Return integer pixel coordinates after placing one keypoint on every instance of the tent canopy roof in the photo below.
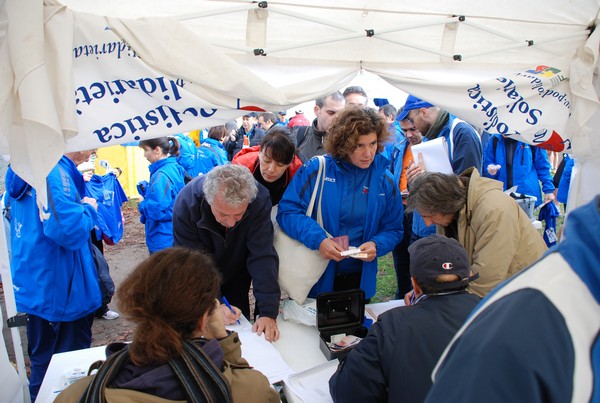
(405, 32)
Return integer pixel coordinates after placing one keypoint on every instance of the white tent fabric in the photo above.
(520, 69)
(83, 74)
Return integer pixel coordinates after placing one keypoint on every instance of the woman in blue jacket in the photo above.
(166, 180)
(359, 200)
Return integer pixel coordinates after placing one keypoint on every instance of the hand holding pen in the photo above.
(231, 314)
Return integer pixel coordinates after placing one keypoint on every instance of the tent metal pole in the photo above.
(220, 11)
(11, 307)
(524, 43)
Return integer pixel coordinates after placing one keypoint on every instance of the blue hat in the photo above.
(411, 103)
(251, 114)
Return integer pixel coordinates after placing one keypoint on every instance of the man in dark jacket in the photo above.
(394, 362)
(309, 139)
(228, 214)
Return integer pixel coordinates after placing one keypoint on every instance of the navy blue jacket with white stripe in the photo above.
(535, 338)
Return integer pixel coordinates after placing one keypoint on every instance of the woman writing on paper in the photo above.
(181, 350)
(360, 201)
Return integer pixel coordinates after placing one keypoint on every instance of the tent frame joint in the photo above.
(259, 52)
(263, 4)
(370, 32)
(457, 58)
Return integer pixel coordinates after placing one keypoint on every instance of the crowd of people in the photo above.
(209, 208)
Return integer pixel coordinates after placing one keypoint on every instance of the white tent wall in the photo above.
(194, 63)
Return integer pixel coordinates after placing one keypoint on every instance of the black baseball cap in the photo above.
(436, 255)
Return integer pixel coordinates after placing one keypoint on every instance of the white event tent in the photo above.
(83, 74)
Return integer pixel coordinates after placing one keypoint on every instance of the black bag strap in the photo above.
(197, 374)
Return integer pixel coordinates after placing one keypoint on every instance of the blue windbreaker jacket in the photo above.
(187, 154)
(54, 276)
(210, 154)
(156, 210)
(383, 221)
(528, 170)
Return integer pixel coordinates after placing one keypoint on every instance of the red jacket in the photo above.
(248, 157)
(298, 120)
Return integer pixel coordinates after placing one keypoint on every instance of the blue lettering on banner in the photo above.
(119, 49)
(517, 103)
(159, 115)
(168, 89)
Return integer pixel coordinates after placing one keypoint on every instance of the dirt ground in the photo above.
(122, 259)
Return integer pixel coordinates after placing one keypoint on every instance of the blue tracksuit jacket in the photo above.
(383, 219)
(156, 210)
(54, 276)
(530, 167)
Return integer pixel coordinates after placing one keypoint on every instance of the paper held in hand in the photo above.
(354, 252)
(435, 155)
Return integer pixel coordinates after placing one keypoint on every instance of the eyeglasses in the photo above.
(410, 118)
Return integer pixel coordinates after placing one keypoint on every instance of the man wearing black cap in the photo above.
(394, 362)
(464, 144)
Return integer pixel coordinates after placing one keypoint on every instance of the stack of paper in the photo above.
(312, 385)
(374, 310)
(260, 353)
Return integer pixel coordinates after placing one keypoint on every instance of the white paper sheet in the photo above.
(312, 385)
(260, 353)
(435, 155)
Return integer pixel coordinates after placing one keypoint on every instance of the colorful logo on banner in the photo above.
(524, 102)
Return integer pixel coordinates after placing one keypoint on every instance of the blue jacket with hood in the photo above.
(383, 220)
(530, 166)
(54, 275)
(156, 210)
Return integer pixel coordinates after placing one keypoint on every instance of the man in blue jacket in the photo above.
(534, 338)
(464, 144)
(519, 164)
(54, 275)
(228, 214)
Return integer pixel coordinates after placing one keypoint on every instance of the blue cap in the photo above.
(251, 114)
(411, 103)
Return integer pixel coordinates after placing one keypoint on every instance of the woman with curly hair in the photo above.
(181, 350)
(360, 201)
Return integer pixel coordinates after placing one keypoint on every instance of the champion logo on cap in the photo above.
(447, 266)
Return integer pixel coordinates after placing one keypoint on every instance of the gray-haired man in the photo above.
(227, 214)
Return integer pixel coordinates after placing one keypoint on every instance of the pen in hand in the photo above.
(230, 308)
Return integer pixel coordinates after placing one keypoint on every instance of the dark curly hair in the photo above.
(350, 123)
(165, 296)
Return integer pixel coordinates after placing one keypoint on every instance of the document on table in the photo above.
(374, 310)
(260, 353)
(312, 385)
(435, 155)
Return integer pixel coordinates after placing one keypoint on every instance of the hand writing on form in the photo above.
(229, 317)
